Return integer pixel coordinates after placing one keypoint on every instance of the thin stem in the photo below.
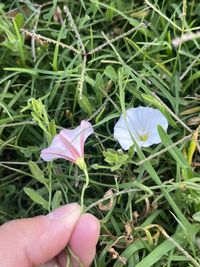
(39, 37)
(82, 77)
(50, 185)
(142, 25)
(85, 186)
(185, 138)
(33, 37)
(74, 28)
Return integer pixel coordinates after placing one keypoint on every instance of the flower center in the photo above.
(81, 163)
(143, 137)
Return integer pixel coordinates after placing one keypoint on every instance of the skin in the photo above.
(40, 241)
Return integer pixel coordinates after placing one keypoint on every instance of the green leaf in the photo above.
(110, 156)
(110, 12)
(99, 82)
(174, 151)
(108, 118)
(116, 167)
(116, 158)
(158, 252)
(84, 103)
(52, 128)
(19, 20)
(39, 115)
(37, 173)
(56, 50)
(111, 73)
(36, 197)
(57, 198)
(99, 86)
(196, 216)
(6, 109)
(113, 156)
(149, 237)
(37, 106)
(132, 249)
(98, 117)
(83, 21)
(39, 122)
(32, 72)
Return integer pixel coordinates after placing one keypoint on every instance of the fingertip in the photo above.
(37, 240)
(66, 211)
(92, 224)
(84, 239)
(53, 234)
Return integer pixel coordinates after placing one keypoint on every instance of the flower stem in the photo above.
(85, 186)
(49, 166)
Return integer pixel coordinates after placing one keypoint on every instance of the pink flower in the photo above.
(69, 144)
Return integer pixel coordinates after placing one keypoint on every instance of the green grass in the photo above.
(53, 76)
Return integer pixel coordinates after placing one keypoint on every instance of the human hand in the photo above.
(42, 239)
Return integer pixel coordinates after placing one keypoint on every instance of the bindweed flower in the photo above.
(69, 145)
(139, 124)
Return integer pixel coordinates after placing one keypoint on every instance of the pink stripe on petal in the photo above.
(77, 136)
(69, 146)
(48, 155)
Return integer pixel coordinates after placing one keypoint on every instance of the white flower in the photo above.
(139, 124)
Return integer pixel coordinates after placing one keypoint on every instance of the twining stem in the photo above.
(85, 186)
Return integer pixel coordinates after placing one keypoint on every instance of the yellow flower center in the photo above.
(143, 137)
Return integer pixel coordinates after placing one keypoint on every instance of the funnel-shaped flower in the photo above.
(139, 124)
(69, 144)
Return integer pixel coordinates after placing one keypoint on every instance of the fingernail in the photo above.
(64, 211)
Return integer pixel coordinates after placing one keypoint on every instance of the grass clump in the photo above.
(93, 60)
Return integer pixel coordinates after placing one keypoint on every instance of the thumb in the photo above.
(31, 242)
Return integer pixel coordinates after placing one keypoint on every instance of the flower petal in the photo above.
(139, 124)
(122, 133)
(68, 144)
(157, 118)
(126, 141)
(143, 116)
(77, 136)
(57, 149)
(49, 154)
